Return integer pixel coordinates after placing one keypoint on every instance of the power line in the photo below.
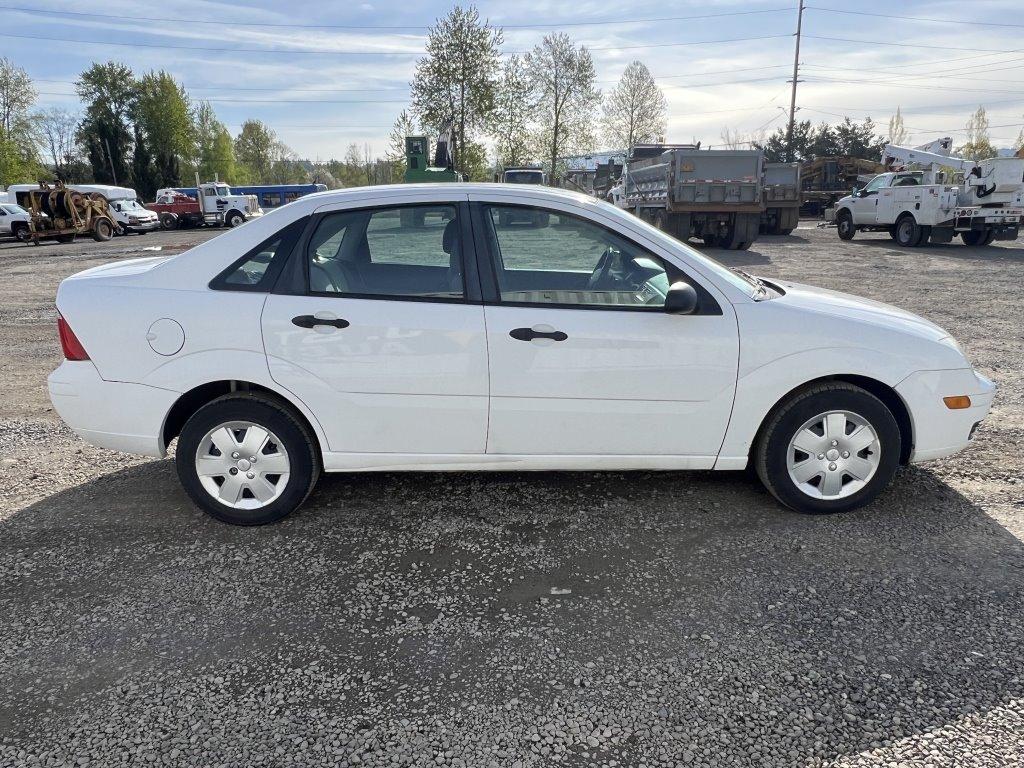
(958, 22)
(550, 25)
(329, 52)
(221, 100)
(908, 45)
(824, 79)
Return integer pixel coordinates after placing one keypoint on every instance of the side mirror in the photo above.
(681, 299)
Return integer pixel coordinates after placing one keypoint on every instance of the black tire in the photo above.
(908, 233)
(234, 219)
(20, 231)
(978, 237)
(711, 241)
(65, 238)
(844, 225)
(924, 236)
(102, 231)
(892, 233)
(785, 232)
(169, 221)
(274, 416)
(782, 425)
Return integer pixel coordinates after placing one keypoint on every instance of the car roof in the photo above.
(351, 194)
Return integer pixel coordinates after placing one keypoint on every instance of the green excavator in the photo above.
(417, 152)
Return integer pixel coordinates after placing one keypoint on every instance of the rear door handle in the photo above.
(529, 334)
(311, 321)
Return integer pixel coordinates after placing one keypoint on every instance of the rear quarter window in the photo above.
(258, 269)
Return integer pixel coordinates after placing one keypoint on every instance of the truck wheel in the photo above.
(234, 219)
(892, 232)
(65, 238)
(978, 237)
(20, 231)
(908, 233)
(102, 231)
(168, 221)
(926, 233)
(844, 224)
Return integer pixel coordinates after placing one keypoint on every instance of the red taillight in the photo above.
(73, 349)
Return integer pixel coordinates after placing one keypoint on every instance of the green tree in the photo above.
(256, 148)
(456, 82)
(109, 92)
(477, 168)
(563, 80)
(19, 138)
(164, 115)
(511, 119)
(215, 151)
(635, 110)
(405, 125)
(978, 145)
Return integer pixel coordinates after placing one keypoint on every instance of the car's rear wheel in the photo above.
(21, 231)
(246, 460)
(831, 448)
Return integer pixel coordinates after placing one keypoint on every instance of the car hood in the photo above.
(844, 305)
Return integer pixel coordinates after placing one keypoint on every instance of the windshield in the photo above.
(746, 283)
(524, 177)
(13, 209)
(128, 205)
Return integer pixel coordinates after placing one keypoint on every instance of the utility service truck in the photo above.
(931, 196)
(714, 195)
(781, 198)
(214, 205)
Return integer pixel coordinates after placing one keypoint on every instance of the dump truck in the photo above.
(63, 214)
(781, 198)
(824, 180)
(932, 196)
(716, 195)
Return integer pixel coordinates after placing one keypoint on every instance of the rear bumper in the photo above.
(146, 226)
(939, 431)
(110, 414)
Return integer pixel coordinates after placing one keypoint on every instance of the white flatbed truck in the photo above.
(918, 202)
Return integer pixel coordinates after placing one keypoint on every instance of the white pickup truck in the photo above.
(920, 206)
(14, 221)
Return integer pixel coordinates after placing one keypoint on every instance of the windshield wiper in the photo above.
(762, 289)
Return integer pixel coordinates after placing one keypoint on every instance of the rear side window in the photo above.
(410, 252)
(258, 269)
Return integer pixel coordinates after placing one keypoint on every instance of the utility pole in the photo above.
(796, 72)
(110, 158)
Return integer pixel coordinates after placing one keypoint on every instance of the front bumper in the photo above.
(938, 430)
(110, 414)
(143, 226)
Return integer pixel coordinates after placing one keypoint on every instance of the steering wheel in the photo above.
(610, 273)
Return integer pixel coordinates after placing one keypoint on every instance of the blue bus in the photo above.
(268, 195)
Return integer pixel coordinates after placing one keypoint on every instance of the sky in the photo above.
(325, 74)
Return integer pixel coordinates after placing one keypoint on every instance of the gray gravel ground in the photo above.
(642, 619)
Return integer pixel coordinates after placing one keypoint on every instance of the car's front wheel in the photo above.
(831, 448)
(245, 459)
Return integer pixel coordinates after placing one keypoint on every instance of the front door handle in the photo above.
(529, 334)
(311, 321)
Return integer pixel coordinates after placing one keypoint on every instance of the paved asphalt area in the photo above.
(628, 619)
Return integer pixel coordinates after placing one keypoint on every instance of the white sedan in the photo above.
(494, 327)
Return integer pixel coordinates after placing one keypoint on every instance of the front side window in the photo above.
(548, 257)
(411, 252)
(876, 184)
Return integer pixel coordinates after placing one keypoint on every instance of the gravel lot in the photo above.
(643, 619)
